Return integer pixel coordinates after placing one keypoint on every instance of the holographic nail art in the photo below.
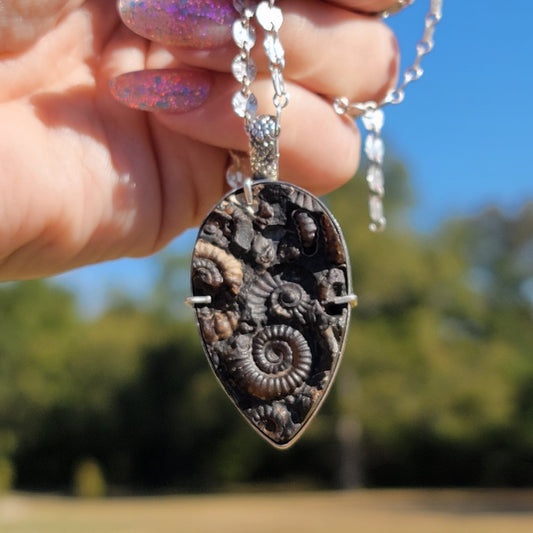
(162, 89)
(187, 23)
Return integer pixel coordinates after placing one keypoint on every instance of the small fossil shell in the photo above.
(303, 199)
(307, 229)
(264, 216)
(213, 266)
(207, 272)
(275, 420)
(264, 251)
(277, 363)
(217, 230)
(218, 325)
(331, 284)
(302, 402)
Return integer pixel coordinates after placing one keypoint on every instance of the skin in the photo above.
(84, 179)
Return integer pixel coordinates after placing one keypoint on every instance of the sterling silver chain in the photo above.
(264, 130)
(373, 117)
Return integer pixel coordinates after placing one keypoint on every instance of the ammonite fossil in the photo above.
(272, 299)
(274, 420)
(273, 365)
(212, 267)
(278, 298)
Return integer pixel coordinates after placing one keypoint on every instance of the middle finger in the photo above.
(329, 50)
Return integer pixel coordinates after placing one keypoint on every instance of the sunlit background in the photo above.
(463, 131)
(104, 389)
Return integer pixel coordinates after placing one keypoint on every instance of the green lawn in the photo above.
(331, 512)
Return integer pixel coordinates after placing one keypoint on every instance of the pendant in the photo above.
(271, 287)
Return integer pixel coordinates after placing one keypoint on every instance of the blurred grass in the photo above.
(401, 511)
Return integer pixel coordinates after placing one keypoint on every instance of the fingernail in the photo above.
(162, 90)
(191, 23)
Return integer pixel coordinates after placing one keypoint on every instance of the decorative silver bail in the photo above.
(264, 152)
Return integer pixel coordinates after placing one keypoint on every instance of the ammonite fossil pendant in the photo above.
(271, 288)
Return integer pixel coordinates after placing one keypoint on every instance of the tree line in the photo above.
(436, 385)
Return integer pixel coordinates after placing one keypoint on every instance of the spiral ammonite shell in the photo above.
(289, 300)
(277, 363)
(274, 419)
(278, 298)
(270, 274)
(212, 266)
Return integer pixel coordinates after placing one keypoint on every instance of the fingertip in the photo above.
(195, 23)
(172, 90)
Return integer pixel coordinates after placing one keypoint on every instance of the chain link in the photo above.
(263, 130)
(413, 73)
(243, 66)
(270, 18)
(424, 47)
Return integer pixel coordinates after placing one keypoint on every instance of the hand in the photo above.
(85, 179)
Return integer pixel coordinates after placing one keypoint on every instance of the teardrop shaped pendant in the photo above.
(271, 287)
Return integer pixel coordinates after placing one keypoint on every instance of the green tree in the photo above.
(436, 386)
(37, 324)
(432, 365)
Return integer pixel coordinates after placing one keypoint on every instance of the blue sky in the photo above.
(463, 130)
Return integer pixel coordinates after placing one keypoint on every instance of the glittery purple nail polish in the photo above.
(187, 23)
(162, 90)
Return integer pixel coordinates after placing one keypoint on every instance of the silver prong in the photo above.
(198, 300)
(248, 193)
(348, 299)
